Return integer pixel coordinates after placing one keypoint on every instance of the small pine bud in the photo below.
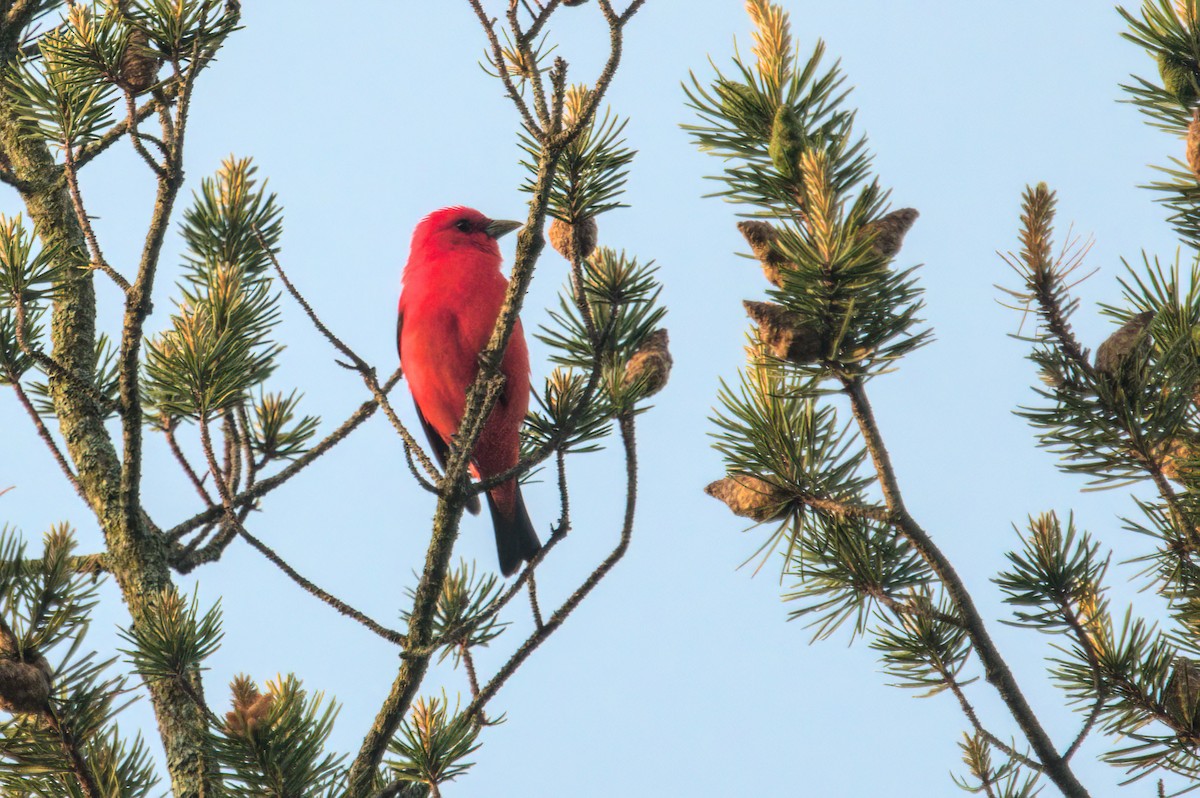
(786, 334)
(787, 141)
(1179, 77)
(563, 235)
(1193, 143)
(24, 686)
(576, 98)
(139, 67)
(1114, 354)
(250, 707)
(762, 236)
(888, 231)
(750, 497)
(650, 365)
(1181, 698)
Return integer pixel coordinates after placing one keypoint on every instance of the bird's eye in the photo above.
(463, 225)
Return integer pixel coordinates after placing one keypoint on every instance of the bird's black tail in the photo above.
(516, 541)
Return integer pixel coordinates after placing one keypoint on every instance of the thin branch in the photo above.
(1089, 650)
(525, 49)
(973, 718)
(85, 222)
(256, 492)
(45, 435)
(533, 603)
(113, 134)
(135, 137)
(232, 519)
(197, 482)
(365, 370)
(996, 669)
(489, 29)
(556, 620)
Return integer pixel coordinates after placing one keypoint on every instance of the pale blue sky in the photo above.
(679, 675)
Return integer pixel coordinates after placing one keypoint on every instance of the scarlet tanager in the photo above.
(452, 293)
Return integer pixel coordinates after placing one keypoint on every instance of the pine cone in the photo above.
(787, 334)
(650, 365)
(139, 68)
(762, 237)
(562, 235)
(888, 231)
(24, 686)
(1115, 353)
(1181, 698)
(750, 497)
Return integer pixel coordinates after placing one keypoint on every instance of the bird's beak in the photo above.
(498, 227)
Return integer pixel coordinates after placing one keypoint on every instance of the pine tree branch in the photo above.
(85, 223)
(234, 522)
(489, 29)
(365, 370)
(543, 631)
(525, 49)
(260, 489)
(996, 670)
(92, 149)
(533, 602)
(80, 767)
(45, 435)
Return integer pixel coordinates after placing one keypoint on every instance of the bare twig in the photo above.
(232, 519)
(257, 491)
(45, 435)
(533, 602)
(361, 366)
(113, 135)
(85, 223)
(197, 482)
(556, 620)
(973, 718)
(497, 55)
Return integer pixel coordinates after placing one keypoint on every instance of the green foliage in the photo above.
(741, 117)
(845, 568)
(465, 615)
(273, 434)
(44, 608)
(591, 172)
(219, 346)
(432, 744)
(28, 272)
(922, 647)
(185, 30)
(273, 744)
(173, 640)
(563, 405)
(1008, 780)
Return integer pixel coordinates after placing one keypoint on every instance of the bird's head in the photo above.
(460, 228)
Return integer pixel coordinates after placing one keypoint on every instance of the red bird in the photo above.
(452, 293)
